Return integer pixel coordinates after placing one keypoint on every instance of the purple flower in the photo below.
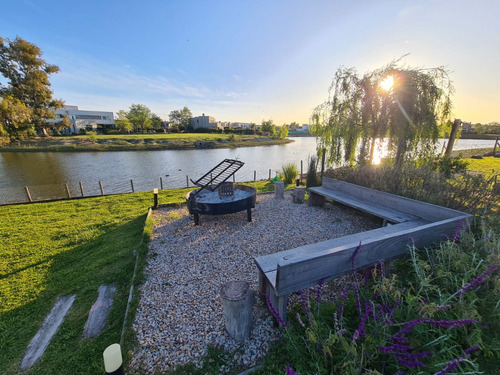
(477, 280)
(319, 289)
(300, 321)
(289, 370)
(305, 304)
(273, 311)
(342, 304)
(455, 362)
(456, 234)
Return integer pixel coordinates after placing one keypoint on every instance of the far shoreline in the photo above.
(140, 142)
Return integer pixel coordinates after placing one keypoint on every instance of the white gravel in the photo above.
(180, 311)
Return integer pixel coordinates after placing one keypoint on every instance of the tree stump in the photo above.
(279, 189)
(237, 302)
(299, 194)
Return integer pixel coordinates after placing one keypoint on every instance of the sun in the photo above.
(387, 83)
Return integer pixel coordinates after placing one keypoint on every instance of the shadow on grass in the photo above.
(107, 259)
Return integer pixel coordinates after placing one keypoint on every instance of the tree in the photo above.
(15, 118)
(181, 118)
(403, 103)
(140, 117)
(268, 127)
(156, 122)
(122, 121)
(27, 74)
(283, 132)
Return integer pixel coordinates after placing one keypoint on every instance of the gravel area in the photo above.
(180, 311)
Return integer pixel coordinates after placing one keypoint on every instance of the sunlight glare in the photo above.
(387, 83)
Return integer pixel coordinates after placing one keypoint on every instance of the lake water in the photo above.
(47, 172)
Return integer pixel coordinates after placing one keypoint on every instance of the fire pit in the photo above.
(218, 197)
(206, 202)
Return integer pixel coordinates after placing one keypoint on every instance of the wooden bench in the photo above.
(417, 223)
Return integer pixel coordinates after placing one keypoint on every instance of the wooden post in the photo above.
(269, 174)
(155, 198)
(495, 147)
(279, 189)
(254, 176)
(187, 181)
(161, 183)
(67, 190)
(28, 193)
(234, 178)
(453, 136)
(132, 185)
(301, 169)
(237, 303)
(81, 189)
(102, 189)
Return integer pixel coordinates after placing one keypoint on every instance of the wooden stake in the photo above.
(81, 189)
(102, 189)
(161, 183)
(67, 190)
(254, 176)
(28, 193)
(187, 181)
(269, 174)
(132, 185)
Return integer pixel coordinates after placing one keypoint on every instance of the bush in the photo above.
(92, 136)
(289, 172)
(83, 131)
(434, 314)
(312, 174)
(471, 193)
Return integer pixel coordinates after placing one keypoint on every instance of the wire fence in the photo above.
(80, 189)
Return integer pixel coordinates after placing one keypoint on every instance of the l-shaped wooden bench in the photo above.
(412, 222)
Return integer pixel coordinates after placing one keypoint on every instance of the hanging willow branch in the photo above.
(358, 111)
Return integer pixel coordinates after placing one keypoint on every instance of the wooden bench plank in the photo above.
(370, 207)
(302, 272)
(428, 211)
(268, 263)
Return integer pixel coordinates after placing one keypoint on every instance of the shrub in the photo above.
(289, 172)
(312, 174)
(434, 314)
(83, 131)
(92, 136)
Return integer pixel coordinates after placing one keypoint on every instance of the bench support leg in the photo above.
(279, 303)
(315, 199)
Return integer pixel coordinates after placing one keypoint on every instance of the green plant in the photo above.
(312, 174)
(289, 172)
(92, 136)
(434, 314)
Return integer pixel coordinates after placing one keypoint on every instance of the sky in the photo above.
(248, 61)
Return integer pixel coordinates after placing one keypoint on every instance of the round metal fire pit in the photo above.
(208, 202)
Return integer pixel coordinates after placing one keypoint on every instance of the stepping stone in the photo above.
(98, 315)
(49, 328)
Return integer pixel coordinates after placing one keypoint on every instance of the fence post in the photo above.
(161, 183)
(81, 189)
(28, 193)
(132, 184)
(187, 181)
(102, 190)
(254, 176)
(301, 169)
(269, 174)
(155, 198)
(495, 147)
(67, 190)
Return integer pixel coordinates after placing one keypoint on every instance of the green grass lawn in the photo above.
(66, 247)
(490, 166)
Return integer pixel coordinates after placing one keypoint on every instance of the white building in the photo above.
(207, 122)
(88, 120)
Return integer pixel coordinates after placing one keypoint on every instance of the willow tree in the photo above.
(406, 105)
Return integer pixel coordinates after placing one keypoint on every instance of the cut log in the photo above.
(237, 302)
(279, 189)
